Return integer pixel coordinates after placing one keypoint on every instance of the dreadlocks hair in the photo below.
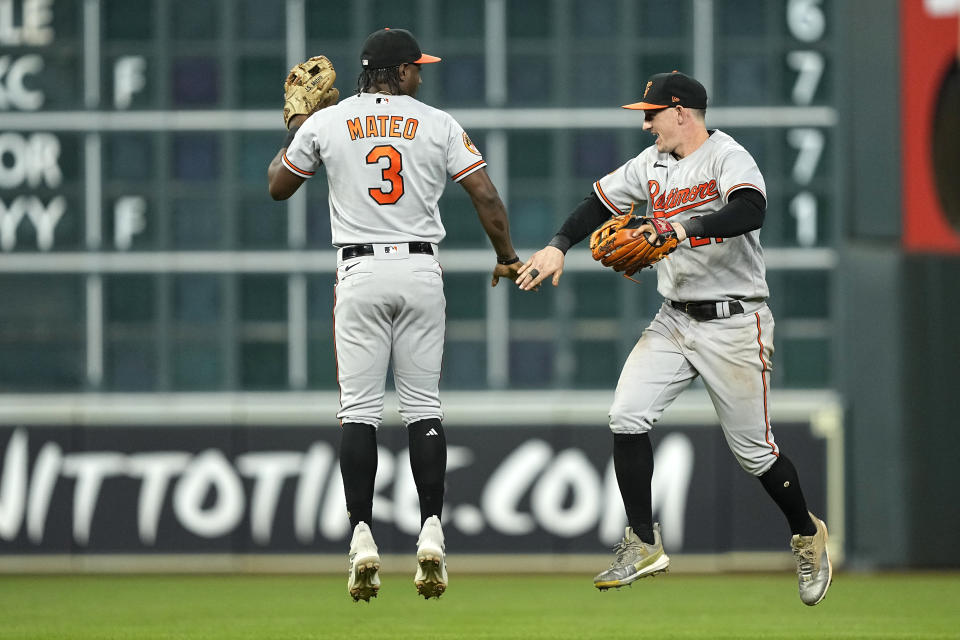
(372, 78)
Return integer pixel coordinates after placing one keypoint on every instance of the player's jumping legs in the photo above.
(640, 553)
(361, 334)
(417, 355)
(809, 539)
(740, 391)
(428, 461)
(655, 373)
(358, 467)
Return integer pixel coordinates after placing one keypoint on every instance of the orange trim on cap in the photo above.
(644, 105)
(426, 58)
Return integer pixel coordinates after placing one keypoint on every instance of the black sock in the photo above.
(428, 461)
(633, 462)
(783, 484)
(358, 467)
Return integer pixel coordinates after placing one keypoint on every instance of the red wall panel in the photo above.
(928, 46)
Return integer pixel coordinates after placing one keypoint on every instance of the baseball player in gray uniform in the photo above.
(714, 322)
(388, 157)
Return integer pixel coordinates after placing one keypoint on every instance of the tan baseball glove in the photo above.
(308, 88)
(613, 244)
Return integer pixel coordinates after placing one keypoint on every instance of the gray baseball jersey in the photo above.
(388, 158)
(732, 353)
(696, 185)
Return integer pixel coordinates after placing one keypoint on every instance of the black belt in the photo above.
(357, 250)
(708, 310)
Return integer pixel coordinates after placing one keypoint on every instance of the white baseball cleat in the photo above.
(814, 570)
(363, 582)
(431, 578)
(634, 559)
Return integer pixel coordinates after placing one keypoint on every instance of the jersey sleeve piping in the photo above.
(743, 185)
(294, 168)
(460, 175)
(605, 200)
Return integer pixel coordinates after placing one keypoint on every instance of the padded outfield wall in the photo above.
(197, 485)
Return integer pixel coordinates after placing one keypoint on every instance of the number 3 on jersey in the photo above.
(389, 173)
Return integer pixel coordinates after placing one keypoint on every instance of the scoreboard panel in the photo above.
(140, 251)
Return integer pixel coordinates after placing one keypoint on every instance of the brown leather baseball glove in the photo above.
(309, 87)
(614, 246)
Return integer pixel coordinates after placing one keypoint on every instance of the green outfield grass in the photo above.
(673, 606)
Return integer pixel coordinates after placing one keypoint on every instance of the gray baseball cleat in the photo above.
(814, 570)
(363, 582)
(634, 560)
(431, 578)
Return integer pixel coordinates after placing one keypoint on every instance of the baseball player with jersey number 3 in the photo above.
(705, 201)
(387, 157)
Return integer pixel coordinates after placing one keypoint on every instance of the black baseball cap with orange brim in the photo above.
(669, 90)
(391, 48)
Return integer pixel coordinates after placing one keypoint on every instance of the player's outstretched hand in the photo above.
(541, 265)
(505, 271)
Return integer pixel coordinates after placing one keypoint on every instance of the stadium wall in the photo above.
(251, 483)
(899, 358)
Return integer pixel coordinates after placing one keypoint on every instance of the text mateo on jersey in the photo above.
(382, 127)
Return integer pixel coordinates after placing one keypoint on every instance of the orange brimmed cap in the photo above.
(391, 48)
(669, 90)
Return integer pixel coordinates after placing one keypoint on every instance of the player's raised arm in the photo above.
(307, 89)
(493, 217)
